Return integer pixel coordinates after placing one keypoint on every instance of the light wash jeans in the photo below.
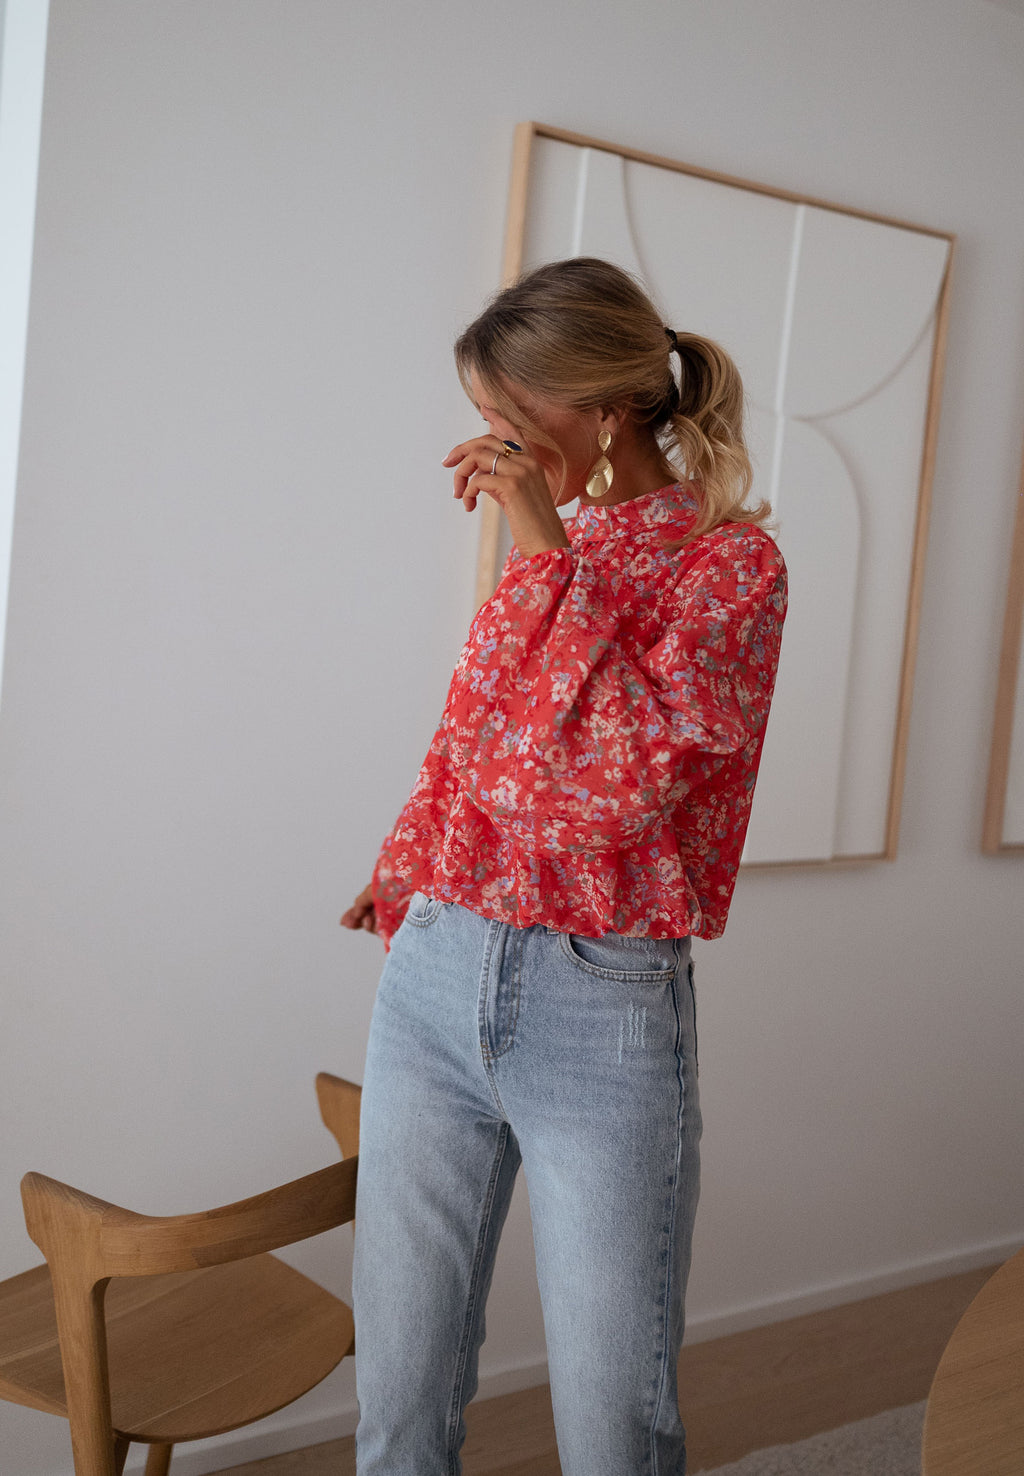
(491, 1046)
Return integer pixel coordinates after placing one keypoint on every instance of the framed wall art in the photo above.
(1003, 830)
(837, 321)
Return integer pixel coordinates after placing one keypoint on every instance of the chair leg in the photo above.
(158, 1462)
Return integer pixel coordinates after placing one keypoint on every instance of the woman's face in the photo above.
(575, 433)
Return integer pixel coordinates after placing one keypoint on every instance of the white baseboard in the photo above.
(278, 1435)
(701, 1329)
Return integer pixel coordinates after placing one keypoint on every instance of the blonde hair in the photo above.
(583, 333)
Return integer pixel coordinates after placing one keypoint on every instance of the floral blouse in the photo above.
(595, 763)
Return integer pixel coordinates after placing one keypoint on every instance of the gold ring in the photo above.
(512, 448)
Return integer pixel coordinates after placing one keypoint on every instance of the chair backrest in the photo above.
(86, 1241)
(339, 1107)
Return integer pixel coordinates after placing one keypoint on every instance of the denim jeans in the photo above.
(490, 1046)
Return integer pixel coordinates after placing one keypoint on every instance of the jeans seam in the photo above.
(693, 1001)
(670, 1233)
(483, 991)
(458, 1383)
(489, 1055)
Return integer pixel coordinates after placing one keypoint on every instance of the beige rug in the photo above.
(885, 1445)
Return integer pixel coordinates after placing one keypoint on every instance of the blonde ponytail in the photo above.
(702, 433)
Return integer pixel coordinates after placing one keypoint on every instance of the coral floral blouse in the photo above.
(595, 763)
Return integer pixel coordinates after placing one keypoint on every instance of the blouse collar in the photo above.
(668, 512)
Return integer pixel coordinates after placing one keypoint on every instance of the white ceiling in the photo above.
(1017, 6)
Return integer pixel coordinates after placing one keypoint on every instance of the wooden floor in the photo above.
(766, 1387)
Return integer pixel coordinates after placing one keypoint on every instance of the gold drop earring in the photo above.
(599, 478)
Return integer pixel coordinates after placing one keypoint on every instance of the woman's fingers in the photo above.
(465, 469)
(484, 465)
(362, 913)
(476, 460)
(490, 444)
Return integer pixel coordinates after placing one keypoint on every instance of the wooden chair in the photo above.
(974, 1418)
(163, 1329)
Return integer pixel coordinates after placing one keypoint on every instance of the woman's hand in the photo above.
(516, 483)
(362, 913)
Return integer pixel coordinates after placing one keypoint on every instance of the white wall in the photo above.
(239, 583)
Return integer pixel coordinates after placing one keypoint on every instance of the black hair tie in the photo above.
(670, 334)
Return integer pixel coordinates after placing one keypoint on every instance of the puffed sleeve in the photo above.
(409, 850)
(571, 743)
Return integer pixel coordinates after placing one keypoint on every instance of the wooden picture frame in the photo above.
(542, 181)
(22, 65)
(1003, 829)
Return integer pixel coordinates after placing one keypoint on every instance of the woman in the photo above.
(578, 819)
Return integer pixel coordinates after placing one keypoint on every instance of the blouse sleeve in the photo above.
(414, 842)
(568, 742)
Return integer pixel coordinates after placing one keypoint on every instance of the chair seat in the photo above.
(181, 1346)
